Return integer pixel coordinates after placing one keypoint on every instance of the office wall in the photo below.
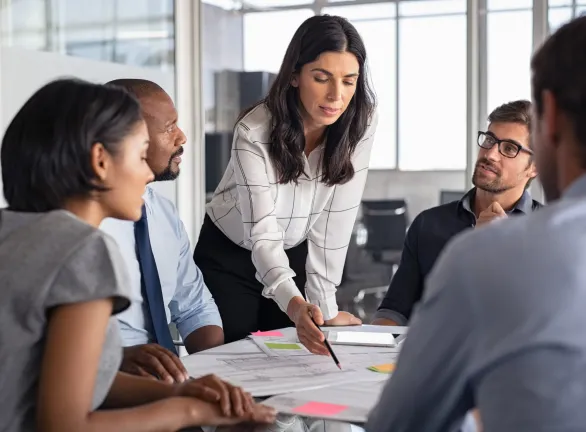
(421, 189)
(22, 72)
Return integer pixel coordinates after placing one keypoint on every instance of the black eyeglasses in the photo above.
(508, 148)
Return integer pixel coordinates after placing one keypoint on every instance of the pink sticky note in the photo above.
(268, 333)
(320, 409)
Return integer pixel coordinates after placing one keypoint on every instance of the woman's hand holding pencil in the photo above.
(308, 317)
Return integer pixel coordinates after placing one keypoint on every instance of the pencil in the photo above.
(328, 346)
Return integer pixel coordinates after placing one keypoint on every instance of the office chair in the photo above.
(386, 225)
(381, 234)
(447, 196)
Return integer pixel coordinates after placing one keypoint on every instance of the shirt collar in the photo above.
(147, 197)
(148, 192)
(577, 188)
(524, 205)
(466, 201)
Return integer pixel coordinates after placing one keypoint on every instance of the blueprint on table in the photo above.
(262, 375)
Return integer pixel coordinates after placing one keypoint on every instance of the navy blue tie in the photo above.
(151, 284)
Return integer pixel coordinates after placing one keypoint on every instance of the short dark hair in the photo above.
(560, 67)
(518, 111)
(137, 86)
(46, 150)
(318, 34)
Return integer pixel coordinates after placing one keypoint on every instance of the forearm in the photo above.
(129, 391)
(321, 290)
(165, 415)
(206, 337)
(288, 297)
(389, 317)
(324, 297)
(403, 294)
(384, 322)
(285, 293)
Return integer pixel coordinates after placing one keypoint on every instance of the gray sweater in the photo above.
(500, 327)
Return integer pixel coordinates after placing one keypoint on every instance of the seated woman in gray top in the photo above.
(73, 155)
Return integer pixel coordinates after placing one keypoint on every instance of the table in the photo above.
(286, 423)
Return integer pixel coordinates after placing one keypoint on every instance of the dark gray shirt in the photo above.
(48, 260)
(429, 233)
(502, 327)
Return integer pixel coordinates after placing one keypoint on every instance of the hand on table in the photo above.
(214, 402)
(232, 400)
(153, 361)
(494, 211)
(302, 312)
(202, 413)
(343, 319)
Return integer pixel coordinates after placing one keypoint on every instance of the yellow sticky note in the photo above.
(383, 368)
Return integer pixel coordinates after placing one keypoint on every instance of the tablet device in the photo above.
(358, 338)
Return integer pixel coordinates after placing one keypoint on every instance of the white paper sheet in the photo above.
(242, 347)
(375, 339)
(279, 346)
(369, 328)
(290, 336)
(357, 349)
(348, 402)
(291, 333)
(262, 375)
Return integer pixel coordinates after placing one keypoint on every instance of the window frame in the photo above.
(476, 40)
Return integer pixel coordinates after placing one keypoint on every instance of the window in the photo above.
(139, 34)
(510, 45)
(23, 24)
(265, 53)
(554, 3)
(260, 4)
(432, 88)
(562, 11)
(419, 78)
(431, 7)
(558, 17)
(379, 38)
(377, 27)
(363, 12)
(224, 4)
(496, 5)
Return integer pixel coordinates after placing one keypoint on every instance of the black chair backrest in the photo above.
(447, 196)
(386, 224)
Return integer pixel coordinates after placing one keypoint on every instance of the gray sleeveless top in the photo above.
(47, 260)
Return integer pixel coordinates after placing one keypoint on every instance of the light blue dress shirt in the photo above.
(188, 302)
(502, 326)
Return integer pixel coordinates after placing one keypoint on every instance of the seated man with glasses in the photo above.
(504, 169)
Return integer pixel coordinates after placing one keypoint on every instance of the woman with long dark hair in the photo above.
(73, 155)
(274, 240)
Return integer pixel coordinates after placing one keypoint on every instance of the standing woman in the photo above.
(274, 240)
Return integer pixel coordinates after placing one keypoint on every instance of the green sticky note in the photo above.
(282, 346)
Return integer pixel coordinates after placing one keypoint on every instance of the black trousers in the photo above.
(230, 276)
